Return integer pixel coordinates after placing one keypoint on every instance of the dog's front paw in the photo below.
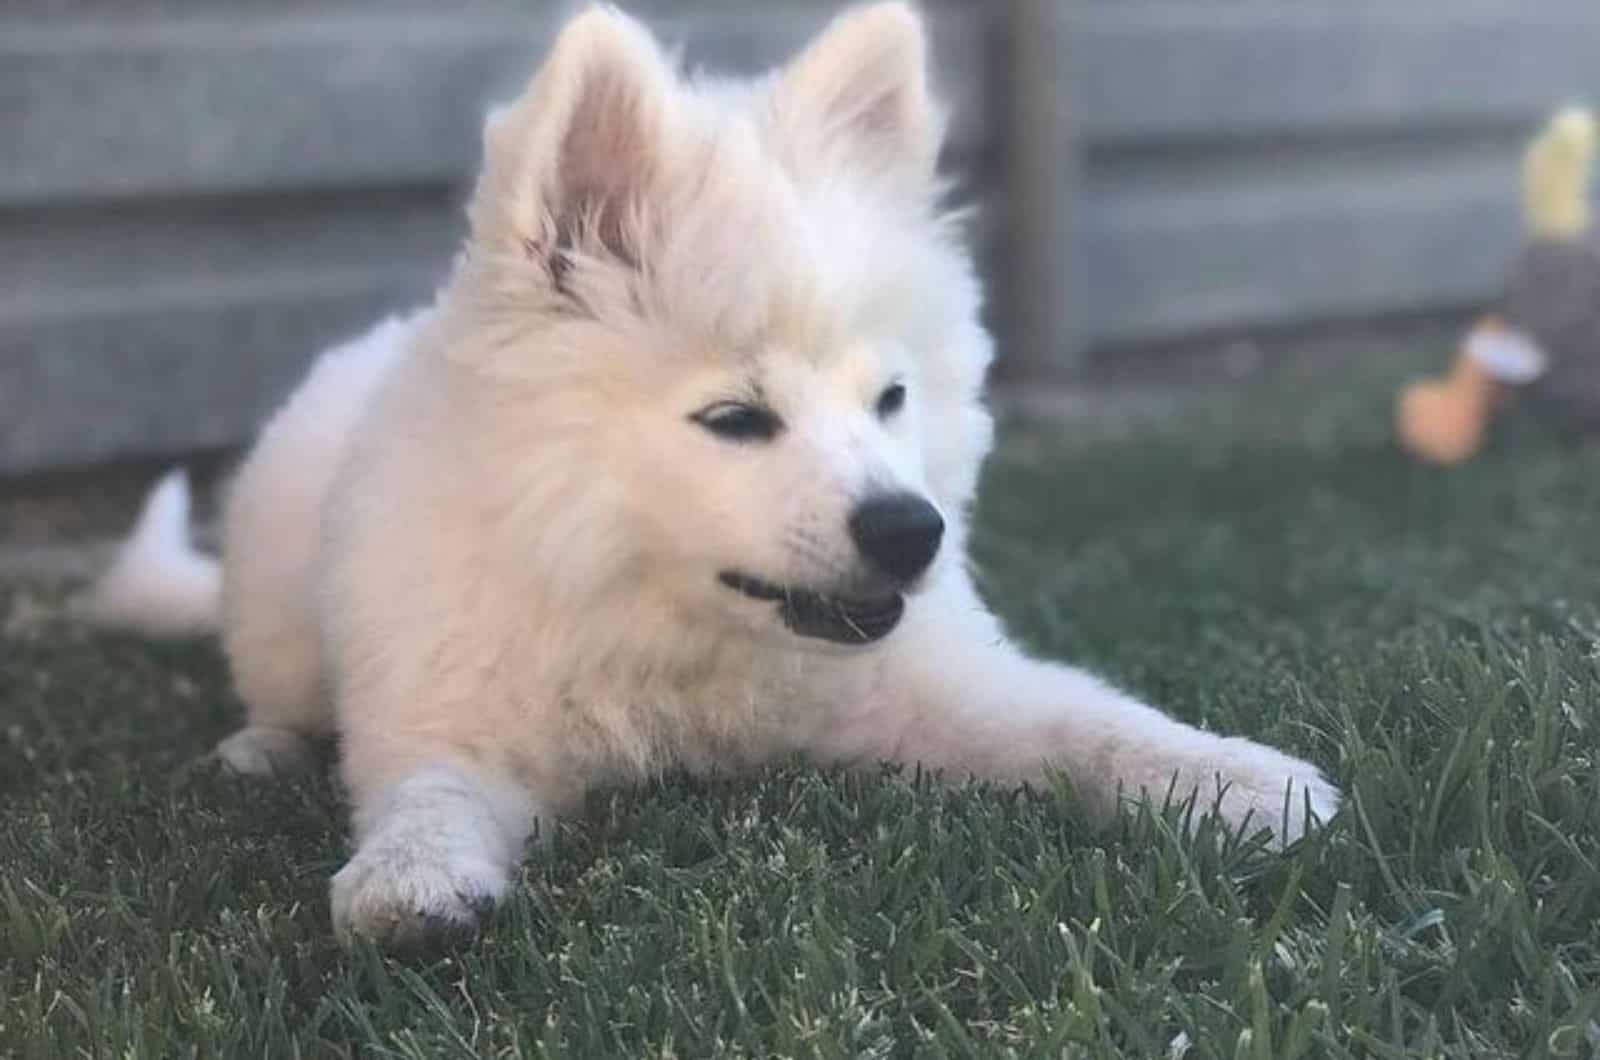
(1265, 788)
(407, 895)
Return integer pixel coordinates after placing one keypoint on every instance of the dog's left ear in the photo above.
(861, 90)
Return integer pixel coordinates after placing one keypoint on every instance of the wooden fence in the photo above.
(1276, 162)
(196, 195)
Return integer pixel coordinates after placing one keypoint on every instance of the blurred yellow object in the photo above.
(1555, 176)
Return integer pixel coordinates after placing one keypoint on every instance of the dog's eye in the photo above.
(892, 400)
(738, 422)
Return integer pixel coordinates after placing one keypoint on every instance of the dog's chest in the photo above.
(714, 718)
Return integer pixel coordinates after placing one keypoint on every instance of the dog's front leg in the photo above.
(435, 849)
(951, 693)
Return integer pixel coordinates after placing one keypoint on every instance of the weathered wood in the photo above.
(194, 200)
(118, 108)
(1162, 263)
(1184, 71)
(51, 258)
(158, 326)
(1265, 164)
(188, 369)
(1039, 200)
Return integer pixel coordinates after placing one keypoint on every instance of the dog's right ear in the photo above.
(569, 164)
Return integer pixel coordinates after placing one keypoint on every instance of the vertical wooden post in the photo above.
(1038, 182)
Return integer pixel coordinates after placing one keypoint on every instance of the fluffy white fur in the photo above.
(484, 544)
(157, 582)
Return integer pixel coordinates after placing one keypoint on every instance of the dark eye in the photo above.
(738, 422)
(892, 400)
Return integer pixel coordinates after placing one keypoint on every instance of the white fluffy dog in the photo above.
(675, 471)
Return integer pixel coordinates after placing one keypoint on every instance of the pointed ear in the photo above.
(569, 163)
(862, 88)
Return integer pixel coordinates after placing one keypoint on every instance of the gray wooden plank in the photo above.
(110, 108)
(1207, 71)
(67, 257)
(1158, 264)
(190, 369)
(126, 107)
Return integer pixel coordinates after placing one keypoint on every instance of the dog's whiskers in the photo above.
(849, 621)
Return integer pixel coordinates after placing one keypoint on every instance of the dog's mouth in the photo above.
(838, 619)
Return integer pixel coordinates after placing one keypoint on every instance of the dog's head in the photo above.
(740, 329)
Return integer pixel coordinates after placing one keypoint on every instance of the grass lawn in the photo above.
(1263, 563)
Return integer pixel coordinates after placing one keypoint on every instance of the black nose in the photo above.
(899, 533)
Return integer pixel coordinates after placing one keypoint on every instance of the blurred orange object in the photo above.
(1444, 421)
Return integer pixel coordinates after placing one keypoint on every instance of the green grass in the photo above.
(1264, 563)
